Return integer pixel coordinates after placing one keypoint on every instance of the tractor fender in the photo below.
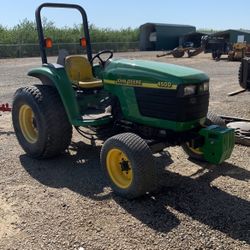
(58, 78)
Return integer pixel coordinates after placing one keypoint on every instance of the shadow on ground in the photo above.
(192, 196)
(79, 172)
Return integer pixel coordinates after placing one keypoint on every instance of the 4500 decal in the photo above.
(166, 85)
(139, 83)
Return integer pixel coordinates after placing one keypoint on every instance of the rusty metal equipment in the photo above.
(241, 128)
(180, 51)
(239, 51)
(5, 107)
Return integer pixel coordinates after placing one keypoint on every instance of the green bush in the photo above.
(22, 39)
(25, 32)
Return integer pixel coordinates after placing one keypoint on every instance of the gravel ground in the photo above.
(65, 203)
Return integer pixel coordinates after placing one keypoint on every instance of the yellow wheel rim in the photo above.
(119, 168)
(195, 150)
(28, 123)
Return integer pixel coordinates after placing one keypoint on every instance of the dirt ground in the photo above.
(65, 203)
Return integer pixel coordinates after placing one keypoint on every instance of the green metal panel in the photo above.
(122, 75)
(168, 35)
(58, 77)
(60, 80)
(131, 111)
(152, 72)
(234, 36)
(219, 143)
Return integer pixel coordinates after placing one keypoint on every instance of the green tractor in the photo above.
(136, 107)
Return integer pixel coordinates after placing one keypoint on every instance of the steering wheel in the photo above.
(98, 55)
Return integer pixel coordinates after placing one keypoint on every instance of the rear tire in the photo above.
(214, 55)
(129, 165)
(40, 121)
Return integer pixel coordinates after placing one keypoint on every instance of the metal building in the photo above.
(234, 36)
(192, 39)
(158, 36)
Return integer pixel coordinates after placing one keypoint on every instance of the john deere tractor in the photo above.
(136, 107)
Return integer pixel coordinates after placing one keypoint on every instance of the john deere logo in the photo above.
(129, 82)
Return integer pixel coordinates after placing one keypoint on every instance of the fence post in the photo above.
(20, 50)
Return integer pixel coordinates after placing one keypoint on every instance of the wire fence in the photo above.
(32, 50)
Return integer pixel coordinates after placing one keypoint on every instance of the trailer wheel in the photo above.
(128, 164)
(216, 55)
(230, 56)
(40, 121)
(178, 53)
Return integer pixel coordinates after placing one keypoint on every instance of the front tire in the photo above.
(129, 165)
(193, 153)
(40, 121)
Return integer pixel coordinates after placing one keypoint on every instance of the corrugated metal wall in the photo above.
(167, 35)
(232, 35)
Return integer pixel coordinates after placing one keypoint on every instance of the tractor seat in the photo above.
(80, 73)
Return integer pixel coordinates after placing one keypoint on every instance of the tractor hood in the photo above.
(133, 72)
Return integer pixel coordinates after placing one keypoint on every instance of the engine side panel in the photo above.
(164, 104)
(148, 93)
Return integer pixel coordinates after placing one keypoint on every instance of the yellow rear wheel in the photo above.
(27, 123)
(40, 122)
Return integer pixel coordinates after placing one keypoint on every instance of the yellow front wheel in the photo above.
(119, 168)
(194, 153)
(128, 163)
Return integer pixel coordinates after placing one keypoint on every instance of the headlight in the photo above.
(189, 90)
(204, 87)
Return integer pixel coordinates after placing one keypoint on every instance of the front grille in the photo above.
(164, 104)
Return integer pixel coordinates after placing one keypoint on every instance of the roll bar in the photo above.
(40, 27)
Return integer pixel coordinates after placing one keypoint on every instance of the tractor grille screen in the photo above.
(164, 104)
